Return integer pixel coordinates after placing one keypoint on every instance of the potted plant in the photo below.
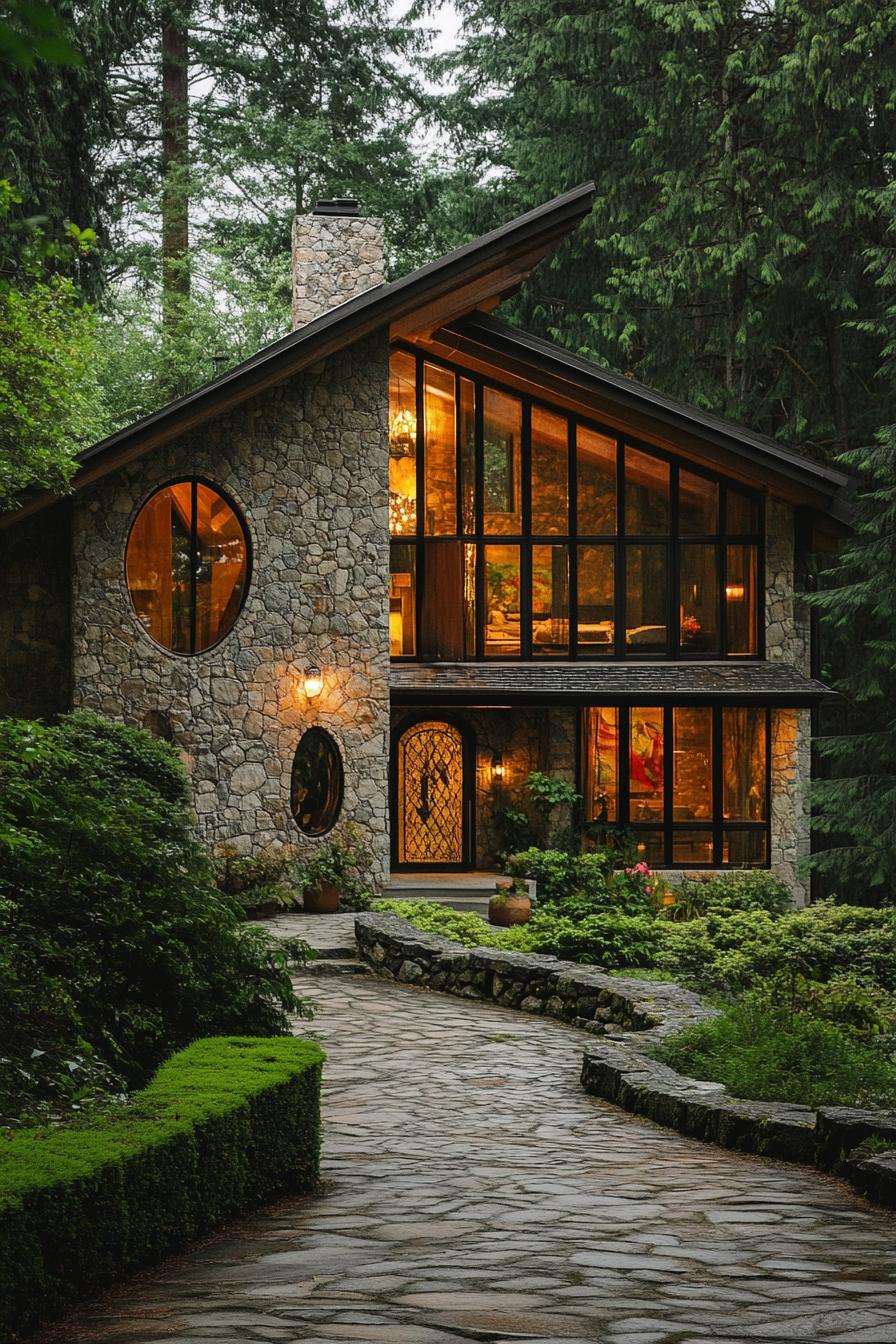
(511, 903)
(332, 871)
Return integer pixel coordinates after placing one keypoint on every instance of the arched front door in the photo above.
(431, 795)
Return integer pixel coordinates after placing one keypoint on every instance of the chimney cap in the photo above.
(338, 205)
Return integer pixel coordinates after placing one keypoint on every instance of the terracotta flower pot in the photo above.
(510, 909)
(321, 900)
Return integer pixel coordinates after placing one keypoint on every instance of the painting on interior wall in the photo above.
(646, 764)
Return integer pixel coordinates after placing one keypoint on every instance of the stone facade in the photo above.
(334, 258)
(306, 463)
(788, 640)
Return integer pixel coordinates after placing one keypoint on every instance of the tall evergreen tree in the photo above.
(855, 801)
(56, 119)
(733, 145)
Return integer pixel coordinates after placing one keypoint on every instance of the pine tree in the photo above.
(855, 803)
(733, 146)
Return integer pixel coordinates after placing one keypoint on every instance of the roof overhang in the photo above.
(479, 274)
(775, 685)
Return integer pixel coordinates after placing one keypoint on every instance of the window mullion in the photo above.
(717, 786)
(194, 558)
(620, 569)
(572, 537)
(668, 782)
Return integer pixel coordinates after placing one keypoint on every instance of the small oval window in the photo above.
(187, 566)
(317, 782)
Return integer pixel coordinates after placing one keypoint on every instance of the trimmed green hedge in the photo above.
(226, 1124)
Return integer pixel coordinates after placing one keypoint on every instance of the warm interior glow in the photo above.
(439, 452)
(402, 444)
(187, 566)
(402, 603)
(695, 822)
(557, 546)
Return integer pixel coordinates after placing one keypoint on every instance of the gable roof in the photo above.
(450, 290)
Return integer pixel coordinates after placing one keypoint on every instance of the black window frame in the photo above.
(672, 541)
(669, 826)
(335, 756)
(239, 513)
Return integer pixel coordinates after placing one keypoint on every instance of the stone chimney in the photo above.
(335, 256)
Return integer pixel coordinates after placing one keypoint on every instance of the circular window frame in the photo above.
(241, 515)
(335, 753)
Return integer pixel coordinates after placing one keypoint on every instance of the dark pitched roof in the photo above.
(645, 683)
(482, 330)
(494, 264)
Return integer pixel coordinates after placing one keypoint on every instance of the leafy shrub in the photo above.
(730, 893)
(579, 885)
(344, 861)
(553, 870)
(468, 929)
(610, 939)
(224, 1126)
(818, 943)
(515, 831)
(848, 1002)
(768, 1053)
(258, 881)
(113, 936)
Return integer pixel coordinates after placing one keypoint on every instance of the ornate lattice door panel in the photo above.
(430, 777)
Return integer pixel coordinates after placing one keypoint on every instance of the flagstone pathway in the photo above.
(474, 1192)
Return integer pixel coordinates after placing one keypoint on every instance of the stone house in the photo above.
(404, 556)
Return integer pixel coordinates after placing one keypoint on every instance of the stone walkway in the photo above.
(474, 1192)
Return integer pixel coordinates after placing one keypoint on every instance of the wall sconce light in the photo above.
(313, 681)
(734, 592)
(498, 768)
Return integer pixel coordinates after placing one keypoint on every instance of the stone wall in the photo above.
(35, 616)
(584, 995)
(787, 640)
(307, 465)
(528, 739)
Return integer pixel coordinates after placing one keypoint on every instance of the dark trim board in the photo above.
(775, 685)
(481, 334)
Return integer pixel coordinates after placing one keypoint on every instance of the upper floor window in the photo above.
(540, 535)
(187, 566)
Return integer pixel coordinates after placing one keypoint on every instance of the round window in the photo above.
(187, 566)
(317, 783)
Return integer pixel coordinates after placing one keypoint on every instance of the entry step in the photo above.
(468, 892)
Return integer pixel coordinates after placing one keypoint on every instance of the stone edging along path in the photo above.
(631, 1017)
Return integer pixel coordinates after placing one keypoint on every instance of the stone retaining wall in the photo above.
(583, 995)
(632, 1017)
